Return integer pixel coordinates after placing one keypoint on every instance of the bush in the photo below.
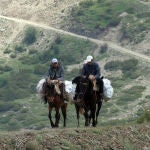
(7, 51)
(32, 145)
(30, 35)
(6, 106)
(145, 117)
(20, 48)
(147, 96)
(129, 67)
(104, 48)
(5, 68)
(13, 55)
(3, 82)
(87, 4)
(32, 51)
(30, 60)
(113, 65)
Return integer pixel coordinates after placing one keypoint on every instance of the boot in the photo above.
(44, 100)
(75, 97)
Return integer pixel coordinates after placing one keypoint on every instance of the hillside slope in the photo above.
(23, 64)
(119, 138)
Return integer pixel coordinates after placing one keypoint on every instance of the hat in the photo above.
(54, 60)
(89, 58)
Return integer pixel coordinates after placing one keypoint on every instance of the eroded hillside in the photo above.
(120, 138)
(50, 12)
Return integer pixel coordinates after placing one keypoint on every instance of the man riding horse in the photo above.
(56, 72)
(92, 71)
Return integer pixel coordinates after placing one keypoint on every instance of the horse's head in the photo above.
(84, 86)
(51, 90)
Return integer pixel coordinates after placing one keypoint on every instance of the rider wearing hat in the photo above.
(56, 72)
(92, 70)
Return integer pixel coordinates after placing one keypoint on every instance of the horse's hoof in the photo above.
(94, 125)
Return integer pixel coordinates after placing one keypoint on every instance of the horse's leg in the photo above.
(86, 116)
(77, 112)
(98, 110)
(50, 117)
(57, 117)
(90, 116)
(63, 110)
(93, 109)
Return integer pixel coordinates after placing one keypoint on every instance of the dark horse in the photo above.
(88, 99)
(55, 100)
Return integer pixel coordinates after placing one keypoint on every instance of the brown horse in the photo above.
(55, 100)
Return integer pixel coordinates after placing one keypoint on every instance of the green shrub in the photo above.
(32, 145)
(113, 65)
(30, 35)
(20, 48)
(147, 96)
(136, 30)
(87, 4)
(29, 60)
(144, 117)
(13, 55)
(135, 90)
(129, 145)
(3, 82)
(104, 48)
(18, 85)
(32, 51)
(7, 51)
(6, 106)
(5, 68)
(129, 67)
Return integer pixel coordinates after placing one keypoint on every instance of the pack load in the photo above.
(108, 90)
(39, 87)
(69, 88)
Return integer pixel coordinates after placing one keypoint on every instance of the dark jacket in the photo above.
(91, 69)
(57, 73)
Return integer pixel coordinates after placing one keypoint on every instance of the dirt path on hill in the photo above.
(110, 44)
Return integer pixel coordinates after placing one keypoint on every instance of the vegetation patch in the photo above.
(93, 17)
(30, 35)
(129, 67)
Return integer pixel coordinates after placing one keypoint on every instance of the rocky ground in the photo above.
(104, 138)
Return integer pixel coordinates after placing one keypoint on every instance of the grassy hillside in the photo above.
(28, 62)
(93, 18)
(26, 54)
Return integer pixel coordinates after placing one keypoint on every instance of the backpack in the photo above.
(108, 90)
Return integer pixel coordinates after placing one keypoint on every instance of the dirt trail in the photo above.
(110, 44)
